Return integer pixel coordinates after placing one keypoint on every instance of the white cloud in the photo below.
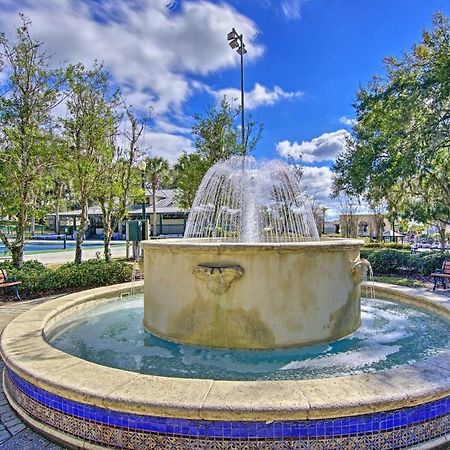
(169, 127)
(347, 121)
(317, 182)
(258, 96)
(322, 148)
(291, 9)
(169, 146)
(153, 51)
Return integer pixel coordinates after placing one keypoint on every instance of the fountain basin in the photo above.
(252, 296)
(83, 404)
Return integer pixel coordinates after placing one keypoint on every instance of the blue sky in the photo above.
(305, 61)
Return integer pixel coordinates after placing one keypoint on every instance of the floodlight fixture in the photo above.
(234, 44)
(232, 35)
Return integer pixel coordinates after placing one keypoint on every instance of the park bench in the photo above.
(9, 283)
(441, 274)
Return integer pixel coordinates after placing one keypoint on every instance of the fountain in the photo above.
(255, 340)
(251, 272)
(242, 201)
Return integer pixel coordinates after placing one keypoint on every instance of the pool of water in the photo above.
(111, 333)
(54, 245)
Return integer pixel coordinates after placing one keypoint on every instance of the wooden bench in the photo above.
(441, 274)
(9, 283)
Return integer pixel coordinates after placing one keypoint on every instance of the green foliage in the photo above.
(38, 280)
(400, 150)
(388, 261)
(432, 261)
(216, 137)
(28, 94)
(189, 172)
(392, 245)
(215, 134)
(156, 171)
(88, 131)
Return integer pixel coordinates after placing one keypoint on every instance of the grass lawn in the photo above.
(399, 280)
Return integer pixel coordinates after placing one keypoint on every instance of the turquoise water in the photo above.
(391, 334)
(52, 245)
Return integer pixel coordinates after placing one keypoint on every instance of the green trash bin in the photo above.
(136, 230)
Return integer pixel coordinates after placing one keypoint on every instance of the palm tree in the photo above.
(157, 169)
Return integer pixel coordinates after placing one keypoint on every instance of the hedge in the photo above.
(38, 280)
(386, 261)
(391, 245)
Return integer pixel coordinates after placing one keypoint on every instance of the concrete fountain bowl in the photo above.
(252, 296)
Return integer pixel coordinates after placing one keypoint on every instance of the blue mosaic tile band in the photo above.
(397, 429)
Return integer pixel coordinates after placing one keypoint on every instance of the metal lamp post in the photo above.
(142, 166)
(236, 42)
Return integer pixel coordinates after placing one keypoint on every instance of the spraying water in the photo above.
(243, 201)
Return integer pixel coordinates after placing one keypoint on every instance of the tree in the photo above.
(156, 170)
(27, 98)
(189, 172)
(216, 137)
(119, 180)
(400, 151)
(88, 130)
(349, 223)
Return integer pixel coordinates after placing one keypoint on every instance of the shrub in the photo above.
(432, 261)
(38, 280)
(385, 261)
(391, 245)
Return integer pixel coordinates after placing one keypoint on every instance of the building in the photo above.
(364, 225)
(170, 218)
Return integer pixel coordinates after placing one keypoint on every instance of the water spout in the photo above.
(243, 201)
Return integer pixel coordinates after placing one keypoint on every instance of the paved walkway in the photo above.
(61, 257)
(14, 434)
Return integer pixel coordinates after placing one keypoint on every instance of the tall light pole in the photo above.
(236, 42)
(142, 166)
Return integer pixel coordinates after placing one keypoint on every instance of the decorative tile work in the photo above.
(386, 430)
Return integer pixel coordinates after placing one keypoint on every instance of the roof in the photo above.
(165, 204)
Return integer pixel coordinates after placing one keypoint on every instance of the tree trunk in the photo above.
(57, 221)
(80, 235)
(18, 246)
(33, 225)
(107, 236)
(17, 255)
(442, 239)
(154, 209)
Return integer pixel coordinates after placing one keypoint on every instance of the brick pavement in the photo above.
(14, 434)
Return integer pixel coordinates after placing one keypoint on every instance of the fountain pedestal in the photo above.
(251, 296)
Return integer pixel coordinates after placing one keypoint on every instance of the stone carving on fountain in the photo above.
(219, 278)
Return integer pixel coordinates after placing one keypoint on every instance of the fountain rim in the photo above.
(23, 340)
(194, 244)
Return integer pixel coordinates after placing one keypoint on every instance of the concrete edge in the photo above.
(195, 245)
